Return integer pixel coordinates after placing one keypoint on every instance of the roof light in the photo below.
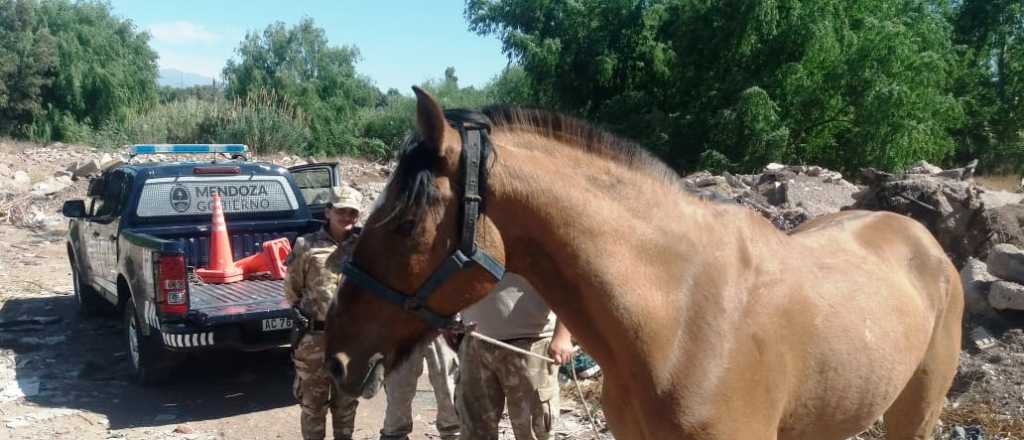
(188, 148)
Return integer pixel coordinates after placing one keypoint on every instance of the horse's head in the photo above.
(424, 253)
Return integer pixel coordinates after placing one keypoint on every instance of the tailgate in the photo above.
(233, 302)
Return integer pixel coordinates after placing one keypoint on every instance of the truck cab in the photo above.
(135, 242)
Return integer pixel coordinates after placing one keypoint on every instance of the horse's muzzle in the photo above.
(367, 386)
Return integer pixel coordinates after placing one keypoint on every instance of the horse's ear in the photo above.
(430, 120)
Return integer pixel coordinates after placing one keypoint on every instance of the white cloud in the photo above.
(182, 32)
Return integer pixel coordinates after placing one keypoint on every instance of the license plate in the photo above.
(274, 324)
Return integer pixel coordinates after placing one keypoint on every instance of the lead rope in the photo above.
(572, 360)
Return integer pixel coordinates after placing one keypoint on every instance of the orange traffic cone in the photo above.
(222, 267)
(269, 262)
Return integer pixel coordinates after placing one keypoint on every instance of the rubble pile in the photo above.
(787, 195)
(995, 284)
(968, 220)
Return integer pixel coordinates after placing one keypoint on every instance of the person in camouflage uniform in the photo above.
(400, 387)
(490, 376)
(314, 274)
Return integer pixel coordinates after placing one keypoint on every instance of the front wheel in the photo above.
(150, 362)
(90, 303)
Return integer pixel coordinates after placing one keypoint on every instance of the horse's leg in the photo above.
(916, 410)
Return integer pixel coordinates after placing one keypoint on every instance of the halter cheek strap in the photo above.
(474, 138)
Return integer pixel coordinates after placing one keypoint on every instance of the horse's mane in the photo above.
(415, 171)
(580, 134)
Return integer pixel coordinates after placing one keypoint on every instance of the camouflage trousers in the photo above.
(400, 387)
(316, 393)
(491, 376)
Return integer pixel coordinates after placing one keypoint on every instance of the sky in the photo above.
(402, 44)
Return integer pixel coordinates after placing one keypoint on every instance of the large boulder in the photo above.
(86, 168)
(951, 209)
(1006, 261)
(977, 282)
(1005, 295)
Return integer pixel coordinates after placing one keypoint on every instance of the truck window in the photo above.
(113, 198)
(315, 185)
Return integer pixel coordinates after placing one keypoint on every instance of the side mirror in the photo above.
(73, 209)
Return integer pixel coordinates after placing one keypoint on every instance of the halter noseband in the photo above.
(474, 139)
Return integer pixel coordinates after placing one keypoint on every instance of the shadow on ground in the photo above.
(82, 363)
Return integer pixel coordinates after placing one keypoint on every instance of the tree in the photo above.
(106, 67)
(27, 62)
(298, 63)
(845, 84)
(990, 37)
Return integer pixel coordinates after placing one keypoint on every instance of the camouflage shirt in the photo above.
(314, 271)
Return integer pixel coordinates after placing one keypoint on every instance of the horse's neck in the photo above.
(603, 244)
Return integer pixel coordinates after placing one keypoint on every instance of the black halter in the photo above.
(474, 140)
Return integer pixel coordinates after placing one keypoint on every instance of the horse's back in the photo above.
(879, 286)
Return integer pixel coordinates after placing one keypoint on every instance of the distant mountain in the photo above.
(177, 78)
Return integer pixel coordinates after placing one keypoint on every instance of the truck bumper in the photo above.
(241, 332)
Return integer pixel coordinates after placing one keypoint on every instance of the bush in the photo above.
(264, 121)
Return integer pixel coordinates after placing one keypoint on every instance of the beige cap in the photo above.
(346, 197)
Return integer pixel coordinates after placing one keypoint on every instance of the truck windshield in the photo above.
(182, 196)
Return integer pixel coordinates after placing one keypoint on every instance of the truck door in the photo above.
(315, 182)
(89, 257)
(104, 225)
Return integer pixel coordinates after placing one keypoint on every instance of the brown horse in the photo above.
(707, 321)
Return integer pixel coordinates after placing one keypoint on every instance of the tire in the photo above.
(150, 363)
(90, 303)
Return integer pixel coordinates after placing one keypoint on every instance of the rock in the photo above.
(711, 181)
(21, 177)
(775, 192)
(774, 167)
(976, 283)
(1005, 295)
(1006, 261)
(815, 171)
(994, 198)
(833, 177)
(923, 167)
(87, 169)
(182, 429)
(50, 186)
(952, 210)
(734, 182)
(5, 170)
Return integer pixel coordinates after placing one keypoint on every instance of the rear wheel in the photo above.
(151, 363)
(90, 303)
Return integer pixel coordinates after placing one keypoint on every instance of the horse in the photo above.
(707, 321)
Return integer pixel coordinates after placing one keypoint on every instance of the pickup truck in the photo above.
(136, 240)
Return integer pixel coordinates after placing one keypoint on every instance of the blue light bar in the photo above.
(188, 148)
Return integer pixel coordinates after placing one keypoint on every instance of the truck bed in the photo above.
(219, 303)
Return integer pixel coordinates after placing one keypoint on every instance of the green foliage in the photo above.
(66, 67)
(210, 92)
(844, 84)
(27, 60)
(990, 38)
(298, 63)
(264, 121)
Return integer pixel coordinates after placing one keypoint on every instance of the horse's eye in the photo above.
(405, 228)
